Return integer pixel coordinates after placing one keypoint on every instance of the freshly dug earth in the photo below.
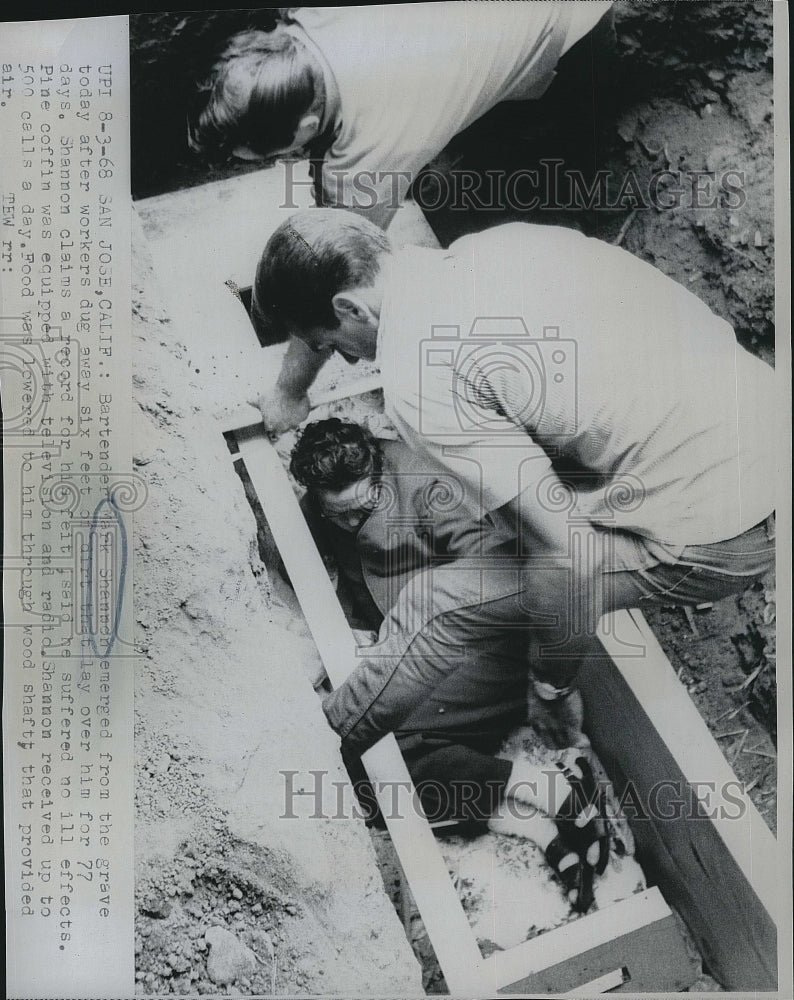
(725, 655)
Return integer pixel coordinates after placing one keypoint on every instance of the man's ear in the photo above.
(350, 305)
(308, 127)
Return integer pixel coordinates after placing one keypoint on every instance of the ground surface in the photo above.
(687, 88)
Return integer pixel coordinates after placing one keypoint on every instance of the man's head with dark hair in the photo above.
(317, 279)
(262, 99)
(339, 463)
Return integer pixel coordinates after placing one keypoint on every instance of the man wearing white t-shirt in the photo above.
(374, 93)
(591, 404)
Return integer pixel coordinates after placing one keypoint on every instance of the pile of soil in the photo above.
(216, 881)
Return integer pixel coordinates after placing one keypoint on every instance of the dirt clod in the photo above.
(229, 959)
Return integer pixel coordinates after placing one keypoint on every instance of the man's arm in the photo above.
(562, 584)
(565, 553)
(457, 530)
(373, 186)
(409, 661)
(541, 516)
(287, 405)
(382, 691)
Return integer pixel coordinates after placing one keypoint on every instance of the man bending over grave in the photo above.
(514, 357)
(384, 518)
(371, 94)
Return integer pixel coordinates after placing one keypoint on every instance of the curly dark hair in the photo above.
(333, 454)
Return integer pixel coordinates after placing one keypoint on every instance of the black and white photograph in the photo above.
(396, 447)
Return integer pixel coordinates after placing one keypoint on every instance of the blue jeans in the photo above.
(703, 572)
(446, 648)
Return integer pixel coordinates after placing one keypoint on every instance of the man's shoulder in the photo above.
(513, 235)
(420, 278)
(419, 469)
(411, 468)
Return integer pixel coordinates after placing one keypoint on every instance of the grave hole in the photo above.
(466, 855)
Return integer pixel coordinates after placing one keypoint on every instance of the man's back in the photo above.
(562, 346)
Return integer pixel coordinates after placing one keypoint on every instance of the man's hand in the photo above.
(281, 412)
(557, 723)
